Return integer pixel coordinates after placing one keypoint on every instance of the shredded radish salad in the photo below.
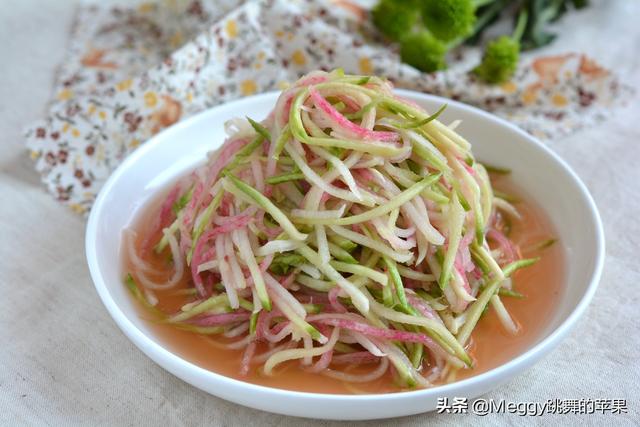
(350, 227)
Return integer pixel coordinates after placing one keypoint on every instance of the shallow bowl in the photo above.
(546, 178)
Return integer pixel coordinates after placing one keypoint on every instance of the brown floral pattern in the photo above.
(133, 71)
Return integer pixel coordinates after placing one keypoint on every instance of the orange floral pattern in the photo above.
(166, 115)
(132, 71)
(94, 58)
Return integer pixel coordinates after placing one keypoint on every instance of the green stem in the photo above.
(480, 3)
(521, 24)
(486, 17)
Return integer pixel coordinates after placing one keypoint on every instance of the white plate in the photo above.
(539, 172)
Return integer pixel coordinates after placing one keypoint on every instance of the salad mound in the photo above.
(350, 227)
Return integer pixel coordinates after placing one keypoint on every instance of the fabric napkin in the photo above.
(132, 71)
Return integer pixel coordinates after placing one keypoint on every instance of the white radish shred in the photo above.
(277, 246)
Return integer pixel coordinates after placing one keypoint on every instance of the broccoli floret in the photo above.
(395, 18)
(500, 58)
(423, 51)
(449, 19)
(499, 61)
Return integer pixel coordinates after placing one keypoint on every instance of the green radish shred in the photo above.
(479, 305)
(206, 217)
(285, 177)
(396, 281)
(456, 218)
(268, 206)
(423, 122)
(261, 130)
(510, 293)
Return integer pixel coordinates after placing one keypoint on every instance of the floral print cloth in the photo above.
(132, 71)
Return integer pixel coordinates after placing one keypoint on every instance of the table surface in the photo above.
(64, 361)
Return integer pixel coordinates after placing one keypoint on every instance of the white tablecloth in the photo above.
(64, 361)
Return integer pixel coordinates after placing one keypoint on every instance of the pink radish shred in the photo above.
(348, 126)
